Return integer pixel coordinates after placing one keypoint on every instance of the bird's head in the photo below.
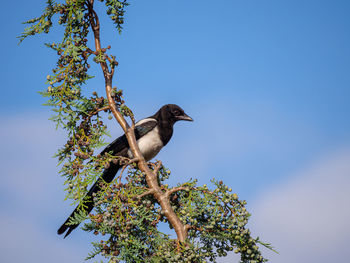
(174, 113)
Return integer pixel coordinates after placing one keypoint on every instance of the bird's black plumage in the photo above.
(152, 134)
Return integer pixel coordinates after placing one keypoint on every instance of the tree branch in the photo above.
(151, 176)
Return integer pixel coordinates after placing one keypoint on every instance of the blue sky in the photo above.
(267, 83)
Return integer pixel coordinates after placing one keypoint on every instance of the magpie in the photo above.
(151, 133)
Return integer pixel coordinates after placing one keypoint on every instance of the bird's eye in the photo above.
(177, 112)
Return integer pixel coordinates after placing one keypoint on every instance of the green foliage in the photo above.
(216, 220)
(116, 12)
(125, 210)
(78, 114)
(42, 23)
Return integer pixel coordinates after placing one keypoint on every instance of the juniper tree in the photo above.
(208, 221)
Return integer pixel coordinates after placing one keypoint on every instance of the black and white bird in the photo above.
(152, 134)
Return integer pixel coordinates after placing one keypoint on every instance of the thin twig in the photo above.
(98, 110)
(176, 189)
(148, 192)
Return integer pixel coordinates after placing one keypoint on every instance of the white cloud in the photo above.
(23, 241)
(29, 170)
(307, 218)
(31, 195)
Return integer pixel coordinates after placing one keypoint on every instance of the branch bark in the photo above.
(151, 176)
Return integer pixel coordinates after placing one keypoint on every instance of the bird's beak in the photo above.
(184, 117)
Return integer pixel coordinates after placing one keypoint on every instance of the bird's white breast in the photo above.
(149, 144)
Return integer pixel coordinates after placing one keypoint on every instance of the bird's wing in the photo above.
(120, 145)
(144, 126)
(117, 146)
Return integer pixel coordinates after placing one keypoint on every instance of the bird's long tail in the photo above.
(107, 177)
